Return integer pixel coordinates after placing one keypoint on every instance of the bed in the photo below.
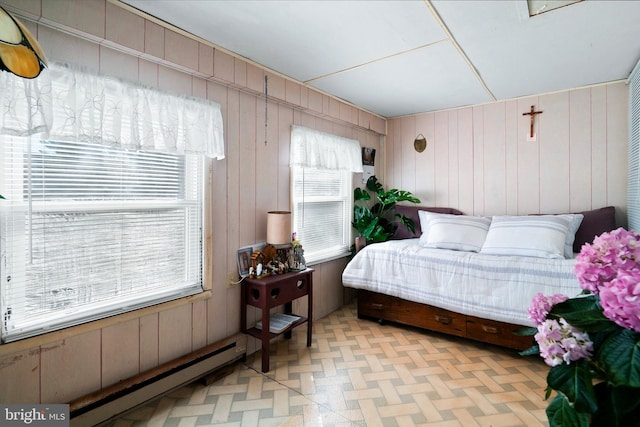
(474, 294)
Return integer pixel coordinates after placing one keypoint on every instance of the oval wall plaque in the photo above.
(420, 143)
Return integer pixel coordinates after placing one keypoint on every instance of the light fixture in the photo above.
(279, 228)
(20, 53)
(420, 143)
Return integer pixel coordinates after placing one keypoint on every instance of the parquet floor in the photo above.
(359, 373)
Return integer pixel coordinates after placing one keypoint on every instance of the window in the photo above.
(322, 166)
(89, 231)
(322, 206)
(104, 186)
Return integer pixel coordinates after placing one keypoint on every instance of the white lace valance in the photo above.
(68, 103)
(319, 150)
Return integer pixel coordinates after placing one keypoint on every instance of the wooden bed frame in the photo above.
(382, 308)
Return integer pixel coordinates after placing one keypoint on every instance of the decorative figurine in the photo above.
(296, 259)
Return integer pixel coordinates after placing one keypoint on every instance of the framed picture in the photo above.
(368, 156)
(244, 260)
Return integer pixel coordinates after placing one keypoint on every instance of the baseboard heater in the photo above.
(100, 406)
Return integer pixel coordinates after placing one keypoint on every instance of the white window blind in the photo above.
(633, 179)
(322, 204)
(322, 165)
(89, 231)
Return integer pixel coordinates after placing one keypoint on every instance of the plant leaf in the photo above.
(560, 413)
(361, 195)
(370, 230)
(408, 222)
(584, 313)
(383, 231)
(620, 357)
(617, 406)
(394, 196)
(406, 196)
(575, 382)
(524, 332)
(531, 351)
(373, 184)
(359, 212)
(362, 219)
(379, 234)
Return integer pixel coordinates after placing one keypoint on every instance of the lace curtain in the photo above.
(318, 150)
(71, 104)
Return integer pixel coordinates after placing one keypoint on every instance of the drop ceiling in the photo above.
(395, 58)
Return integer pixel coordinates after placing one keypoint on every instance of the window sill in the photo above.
(329, 258)
(43, 339)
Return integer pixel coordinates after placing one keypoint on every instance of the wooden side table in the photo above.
(273, 291)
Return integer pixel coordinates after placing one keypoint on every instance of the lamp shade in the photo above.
(278, 227)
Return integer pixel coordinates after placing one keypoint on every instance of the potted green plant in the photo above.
(592, 341)
(376, 220)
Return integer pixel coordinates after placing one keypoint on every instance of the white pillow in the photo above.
(541, 236)
(457, 232)
(424, 223)
(576, 220)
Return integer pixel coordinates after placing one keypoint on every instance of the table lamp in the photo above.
(279, 228)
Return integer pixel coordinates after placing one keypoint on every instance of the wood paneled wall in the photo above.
(479, 160)
(251, 180)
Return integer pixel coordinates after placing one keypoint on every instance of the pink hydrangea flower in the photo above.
(541, 306)
(610, 267)
(560, 342)
(620, 299)
(601, 261)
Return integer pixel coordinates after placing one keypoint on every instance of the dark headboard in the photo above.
(411, 211)
(595, 222)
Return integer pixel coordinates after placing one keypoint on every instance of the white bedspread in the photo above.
(488, 286)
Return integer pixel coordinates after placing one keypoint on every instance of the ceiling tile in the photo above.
(427, 79)
(304, 39)
(565, 48)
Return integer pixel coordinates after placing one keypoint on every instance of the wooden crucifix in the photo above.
(531, 113)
